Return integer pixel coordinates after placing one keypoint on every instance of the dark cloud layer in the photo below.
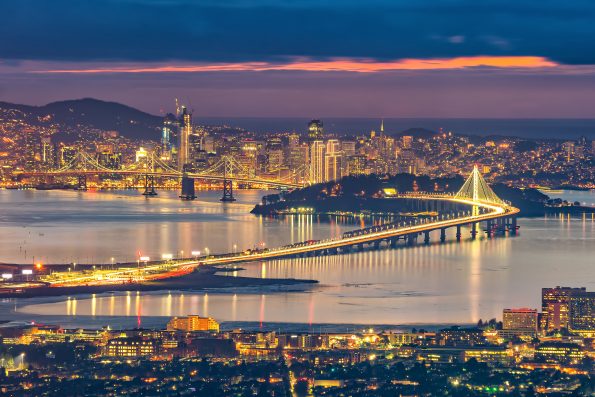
(245, 30)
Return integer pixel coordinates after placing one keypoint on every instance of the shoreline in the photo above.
(204, 277)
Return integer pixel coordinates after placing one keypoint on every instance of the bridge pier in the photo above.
(426, 237)
(149, 185)
(458, 233)
(81, 182)
(411, 239)
(188, 192)
(442, 235)
(474, 230)
(490, 228)
(513, 226)
(227, 191)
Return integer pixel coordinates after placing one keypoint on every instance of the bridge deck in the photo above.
(495, 211)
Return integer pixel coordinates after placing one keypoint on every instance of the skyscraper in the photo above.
(333, 160)
(315, 130)
(168, 131)
(183, 137)
(317, 149)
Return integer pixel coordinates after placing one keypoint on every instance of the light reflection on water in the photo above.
(440, 283)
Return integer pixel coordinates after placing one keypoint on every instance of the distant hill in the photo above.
(129, 122)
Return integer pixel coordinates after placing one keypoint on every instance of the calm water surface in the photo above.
(440, 283)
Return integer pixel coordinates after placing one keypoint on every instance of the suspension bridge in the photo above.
(473, 204)
(227, 170)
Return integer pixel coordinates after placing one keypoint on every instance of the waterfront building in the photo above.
(315, 130)
(193, 323)
(582, 313)
(519, 322)
(554, 307)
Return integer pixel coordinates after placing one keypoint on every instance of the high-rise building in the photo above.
(317, 150)
(407, 141)
(274, 160)
(348, 148)
(168, 132)
(315, 130)
(183, 138)
(582, 313)
(299, 156)
(555, 307)
(356, 165)
(293, 140)
(519, 322)
(333, 160)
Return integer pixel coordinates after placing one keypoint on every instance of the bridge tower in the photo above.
(150, 178)
(81, 182)
(227, 183)
(149, 186)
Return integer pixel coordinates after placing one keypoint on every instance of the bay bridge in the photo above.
(227, 170)
(473, 204)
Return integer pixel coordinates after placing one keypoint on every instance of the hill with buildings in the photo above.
(71, 116)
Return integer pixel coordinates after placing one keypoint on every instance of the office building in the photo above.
(130, 347)
(183, 138)
(554, 307)
(519, 322)
(193, 323)
(317, 152)
(582, 313)
(333, 161)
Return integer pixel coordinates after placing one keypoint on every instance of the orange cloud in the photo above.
(333, 65)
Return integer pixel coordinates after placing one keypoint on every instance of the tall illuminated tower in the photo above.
(317, 151)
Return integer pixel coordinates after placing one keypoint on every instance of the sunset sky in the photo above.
(306, 58)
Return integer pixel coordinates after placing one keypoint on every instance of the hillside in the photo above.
(129, 122)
